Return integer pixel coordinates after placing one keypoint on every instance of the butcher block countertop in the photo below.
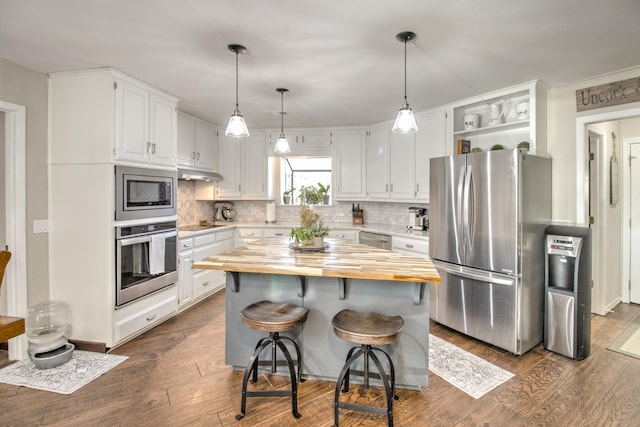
(341, 259)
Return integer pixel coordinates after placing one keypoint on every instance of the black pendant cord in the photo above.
(237, 75)
(405, 71)
(282, 113)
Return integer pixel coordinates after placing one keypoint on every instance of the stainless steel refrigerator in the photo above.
(488, 212)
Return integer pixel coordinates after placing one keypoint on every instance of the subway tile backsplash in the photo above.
(191, 211)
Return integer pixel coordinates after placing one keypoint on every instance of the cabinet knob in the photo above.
(205, 283)
(151, 317)
(408, 246)
(278, 234)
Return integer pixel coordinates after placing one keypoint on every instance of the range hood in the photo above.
(198, 175)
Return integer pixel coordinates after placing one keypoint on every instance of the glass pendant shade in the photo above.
(237, 128)
(405, 120)
(282, 145)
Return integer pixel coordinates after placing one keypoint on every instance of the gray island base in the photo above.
(323, 352)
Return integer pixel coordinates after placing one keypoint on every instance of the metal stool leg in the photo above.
(252, 367)
(298, 356)
(341, 379)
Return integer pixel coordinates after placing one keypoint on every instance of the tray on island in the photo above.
(309, 248)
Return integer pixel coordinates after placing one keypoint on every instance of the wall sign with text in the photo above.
(607, 95)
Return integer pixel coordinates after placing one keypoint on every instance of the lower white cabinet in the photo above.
(349, 235)
(410, 246)
(195, 284)
(138, 321)
(245, 235)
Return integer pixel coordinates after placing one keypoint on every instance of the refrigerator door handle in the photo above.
(467, 215)
(460, 214)
(470, 274)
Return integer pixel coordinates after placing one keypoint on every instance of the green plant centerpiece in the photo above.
(311, 231)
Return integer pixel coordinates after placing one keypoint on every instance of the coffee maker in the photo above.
(417, 218)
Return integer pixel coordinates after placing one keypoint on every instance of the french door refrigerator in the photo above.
(488, 212)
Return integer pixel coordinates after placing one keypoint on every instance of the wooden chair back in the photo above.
(5, 256)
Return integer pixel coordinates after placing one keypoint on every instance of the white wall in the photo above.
(23, 86)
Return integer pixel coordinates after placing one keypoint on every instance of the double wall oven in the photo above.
(146, 232)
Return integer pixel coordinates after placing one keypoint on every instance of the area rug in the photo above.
(470, 373)
(628, 342)
(84, 367)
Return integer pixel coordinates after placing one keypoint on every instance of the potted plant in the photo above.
(286, 196)
(309, 195)
(319, 231)
(323, 192)
(302, 236)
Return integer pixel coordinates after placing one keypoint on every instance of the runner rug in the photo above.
(628, 342)
(470, 373)
(84, 367)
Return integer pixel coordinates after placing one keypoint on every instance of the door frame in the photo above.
(626, 217)
(582, 132)
(15, 195)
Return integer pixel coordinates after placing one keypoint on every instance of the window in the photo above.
(310, 173)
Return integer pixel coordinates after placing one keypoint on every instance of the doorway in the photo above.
(14, 223)
(611, 234)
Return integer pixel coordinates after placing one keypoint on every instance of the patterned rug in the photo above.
(628, 342)
(84, 367)
(470, 373)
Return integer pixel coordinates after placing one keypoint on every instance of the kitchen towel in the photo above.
(271, 212)
(156, 264)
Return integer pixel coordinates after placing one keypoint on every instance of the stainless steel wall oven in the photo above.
(146, 259)
(145, 193)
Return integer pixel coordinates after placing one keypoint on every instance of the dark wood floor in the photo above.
(176, 376)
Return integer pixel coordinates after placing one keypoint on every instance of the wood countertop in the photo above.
(341, 259)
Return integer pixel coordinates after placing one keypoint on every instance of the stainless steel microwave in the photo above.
(145, 193)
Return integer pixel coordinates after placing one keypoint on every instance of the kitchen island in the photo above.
(344, 275)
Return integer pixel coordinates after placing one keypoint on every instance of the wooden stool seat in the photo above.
(367, 328)
(273, 317)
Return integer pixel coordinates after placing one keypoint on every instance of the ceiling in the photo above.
(339, 59)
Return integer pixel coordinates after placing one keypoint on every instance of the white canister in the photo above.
(471, 121)
(522, 111)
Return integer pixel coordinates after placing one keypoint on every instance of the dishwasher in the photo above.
(382, 241)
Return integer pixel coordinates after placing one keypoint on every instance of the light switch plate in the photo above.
(40, 226)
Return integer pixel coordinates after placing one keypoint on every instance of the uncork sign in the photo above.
(606, 95)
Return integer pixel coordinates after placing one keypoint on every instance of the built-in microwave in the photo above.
(145, 193)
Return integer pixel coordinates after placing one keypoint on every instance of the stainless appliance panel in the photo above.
(560, 323)
(145, 193)
(492, 231)
(445, 210)
(478, 303)
(381, 241)
(139, 270)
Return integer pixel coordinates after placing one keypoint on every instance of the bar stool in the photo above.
(367, 329)
(273, 318)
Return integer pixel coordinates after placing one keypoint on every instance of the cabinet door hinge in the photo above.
(592, 157)
(115, 85)
(115, 151)
(592, 220)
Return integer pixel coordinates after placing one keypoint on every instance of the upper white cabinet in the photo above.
(430, 142)
(245, 168)
(520, 115)
(304, 142)
(402, 166)
(197, 143)
(378, 161)
(103, 115)
(351, 164)
(146, 124)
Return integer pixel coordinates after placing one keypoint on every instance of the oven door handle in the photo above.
(144, 239)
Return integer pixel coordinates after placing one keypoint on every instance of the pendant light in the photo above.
(282, 145)
(237, 128)
(405, 120)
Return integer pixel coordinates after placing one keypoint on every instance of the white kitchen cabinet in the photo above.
(410, 245)
(351, 164)
(275, 232)
(197, 143)
(246, 235)
(430, 142)
(303, 142)
(245, 168)
(513, 129)
(402, 166)
(344, 234)
(185, 275)
(193, 284)
(378, 162)
(146, 124)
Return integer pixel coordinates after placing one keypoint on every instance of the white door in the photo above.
(254, 166)
(162, 130)
(351, 166)
(402, 166)
(378, 164)
(634, 233)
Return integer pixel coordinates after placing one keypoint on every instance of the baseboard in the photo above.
(96, 347)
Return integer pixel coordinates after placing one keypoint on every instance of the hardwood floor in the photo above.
(176, 376)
